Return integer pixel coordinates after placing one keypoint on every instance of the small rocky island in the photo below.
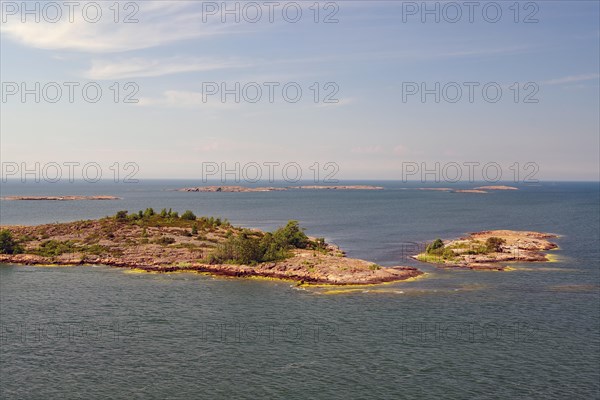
(168, 242)
(489, 250)
(477, 190)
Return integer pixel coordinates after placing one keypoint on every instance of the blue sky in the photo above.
(370, 54)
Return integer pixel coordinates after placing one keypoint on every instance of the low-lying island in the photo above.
(489, 250)
(167, 242)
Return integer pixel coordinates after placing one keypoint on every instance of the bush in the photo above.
(121, 215)
(291, 236)
(52, 248)
(7, 244)
(188, 215)
(165, 240)
(447, 254)
(242, 249)
(148, 212)
(246, 249)
(494, 244)
(195, 229)
(435, 247)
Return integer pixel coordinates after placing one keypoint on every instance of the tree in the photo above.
(292, 235)
(494, 244)
(148, 212)
(435, 246)
(7, 244)
(188, 215)
(163, 213)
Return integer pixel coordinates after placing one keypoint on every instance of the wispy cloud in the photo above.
(572, 79)
(159, 23)
(143, 68)
(184, 99)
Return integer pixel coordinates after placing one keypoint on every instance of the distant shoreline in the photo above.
(246, 189)
(58, 198)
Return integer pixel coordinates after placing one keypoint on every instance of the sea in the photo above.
(95, 332)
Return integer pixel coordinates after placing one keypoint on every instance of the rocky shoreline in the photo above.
(489, 250)
(173, 244)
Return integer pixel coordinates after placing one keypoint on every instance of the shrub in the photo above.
(242, 249)
(188, 215)
(291, 236)
(195, 229)
(163, 213)
(435, 247)
(165, 240)
(374, 267)
(447, 254)
(494, 244)
(7, 244)
(52, 248)
(121, 215)
(148, 212)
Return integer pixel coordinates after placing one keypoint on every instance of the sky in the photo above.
(379, 86)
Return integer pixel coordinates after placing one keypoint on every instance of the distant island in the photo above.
(496, 188)
(58, 198)
(246, 189)
(168, 242)
(487, 250)
(477, 190)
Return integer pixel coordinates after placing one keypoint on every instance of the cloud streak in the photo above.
(145, 68)
(160, 23)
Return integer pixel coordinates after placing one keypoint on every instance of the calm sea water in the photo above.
(97, 332)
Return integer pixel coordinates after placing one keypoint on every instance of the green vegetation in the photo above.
(437, 252)
(188, 215)
(164, 240)
(53, 248)
(494, 244)
(374, 267)
(435, 247)
(247, 248)
(8, 245)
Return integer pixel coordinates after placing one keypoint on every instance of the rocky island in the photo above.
(167, 242)
(245, 189)
(229, 189)
(489, 250)
(501, 187)
(477, 190)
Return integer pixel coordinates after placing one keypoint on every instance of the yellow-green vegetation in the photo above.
(485, 250)
(438, 252)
